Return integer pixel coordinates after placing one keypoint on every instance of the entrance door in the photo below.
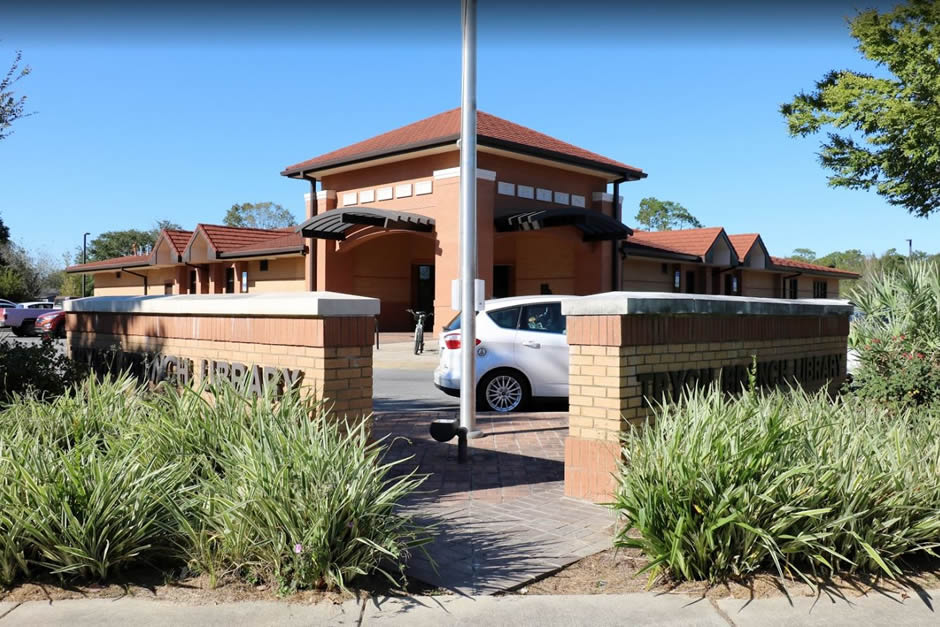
(422, 291)
(502, 281)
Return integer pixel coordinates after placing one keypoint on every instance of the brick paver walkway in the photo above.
(502, 519)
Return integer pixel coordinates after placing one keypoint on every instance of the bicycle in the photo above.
(420, 317)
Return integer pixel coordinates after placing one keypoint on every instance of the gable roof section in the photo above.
(178, 238)
(444, 128)
(744, 243)
(697, 242)
(229, 241)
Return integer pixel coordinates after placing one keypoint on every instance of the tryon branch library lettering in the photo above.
(383, 224)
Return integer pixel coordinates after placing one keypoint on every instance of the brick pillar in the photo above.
(628, 349)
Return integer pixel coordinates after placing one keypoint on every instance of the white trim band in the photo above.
(449, 173)
(302, 304)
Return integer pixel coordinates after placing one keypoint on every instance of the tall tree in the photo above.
(261, 215)
(804, 254)
(4, 233)
(119, 244)
(665, 215)
(883, 132)
(12, 107)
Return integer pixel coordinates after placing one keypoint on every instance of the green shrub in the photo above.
(896, 371)
(39, 369)
(111, 476)
(718, 487)
(898, 335)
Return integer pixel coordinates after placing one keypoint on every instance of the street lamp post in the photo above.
(84, 259)
(468, 217)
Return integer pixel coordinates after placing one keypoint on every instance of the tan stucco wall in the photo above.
(646, 276)
(760, 284)
(282, 275)
(108, 284)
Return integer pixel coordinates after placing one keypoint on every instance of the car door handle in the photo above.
(531, 344)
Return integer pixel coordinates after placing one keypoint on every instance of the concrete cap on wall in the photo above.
(302, 304)
(665, 303)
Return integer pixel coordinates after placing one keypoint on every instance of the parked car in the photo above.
(4, 303)
(22, 318)
(51, 324)
(522, 352)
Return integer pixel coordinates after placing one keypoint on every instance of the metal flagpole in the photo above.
(468, 217)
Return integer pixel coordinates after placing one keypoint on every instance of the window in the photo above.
(677, 280)
(505, 318)
(544, 317)
(794, 288)
(244, 282)
(820, 289)
(230, 280)
(263, 265)
(690, 281)
(192, 281)
(731, 285)
(454, 324)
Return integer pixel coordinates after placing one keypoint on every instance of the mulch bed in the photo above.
(617, 572)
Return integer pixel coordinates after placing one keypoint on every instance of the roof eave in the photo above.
(107, 267)
(628, 173)
(301, 171)
(262, 252)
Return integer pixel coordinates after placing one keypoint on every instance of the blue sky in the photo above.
(178, 115)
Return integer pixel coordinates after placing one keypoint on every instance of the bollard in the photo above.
(462, 445)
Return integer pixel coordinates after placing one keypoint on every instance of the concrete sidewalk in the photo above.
(402, 355)
(517, 611)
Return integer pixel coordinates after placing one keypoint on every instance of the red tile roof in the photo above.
(812, 267)
(743, 243)
(178, 239)
(688, 241)
(285, 242)
(445, 127)
(226, 239)
(127, 261)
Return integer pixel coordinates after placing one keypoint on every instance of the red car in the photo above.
(51, 324)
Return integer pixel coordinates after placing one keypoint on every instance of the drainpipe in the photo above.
(310, 259)
(143, 276)
(615, 262)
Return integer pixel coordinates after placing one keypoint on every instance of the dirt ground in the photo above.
(617, 572)
(608, 572)
(196, 590)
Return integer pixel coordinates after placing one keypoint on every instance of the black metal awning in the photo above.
(594, 225)
(334, 223)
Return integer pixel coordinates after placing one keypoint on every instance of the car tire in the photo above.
(503, 391)
(28, 328)
(17, 331)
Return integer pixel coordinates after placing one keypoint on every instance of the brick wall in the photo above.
(334, 354)
(616, 359)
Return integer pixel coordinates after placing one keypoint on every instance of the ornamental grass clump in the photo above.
(286, 492)
(720, 487)
(112, 476)
(78, 496)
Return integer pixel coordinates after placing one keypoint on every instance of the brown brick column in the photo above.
(622, 361)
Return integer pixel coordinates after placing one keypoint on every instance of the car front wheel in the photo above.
(503, 391)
